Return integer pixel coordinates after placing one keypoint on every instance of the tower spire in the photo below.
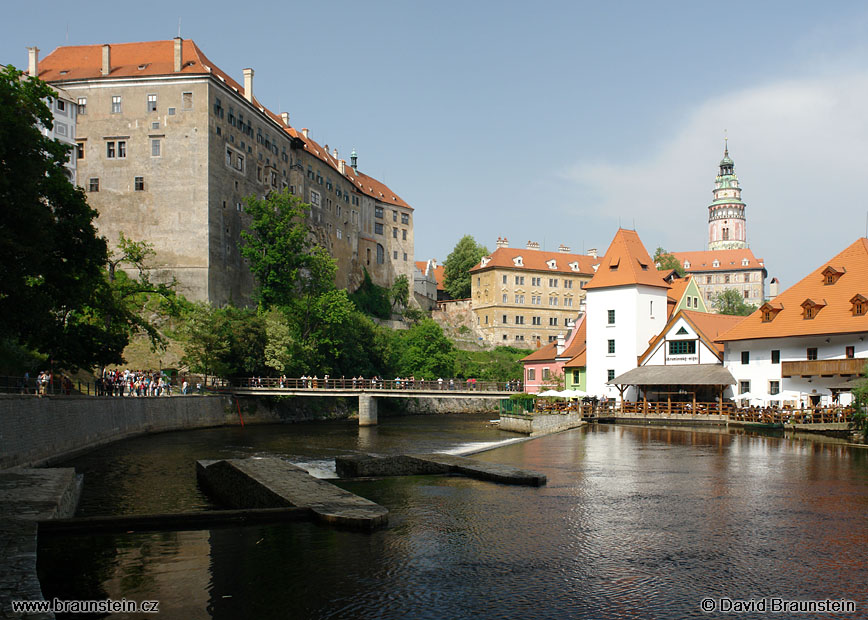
(727, 228)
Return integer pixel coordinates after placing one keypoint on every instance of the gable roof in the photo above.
(579, 352)
(835, 317)
(727, 260)
(538, 260)
(706, 325)
(626, 262)
(575, 345)
(157, 58)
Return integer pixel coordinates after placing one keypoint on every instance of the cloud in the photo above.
(801, 154)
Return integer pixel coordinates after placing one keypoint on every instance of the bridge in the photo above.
(369, 390)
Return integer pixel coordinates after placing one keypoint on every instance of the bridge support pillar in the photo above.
(367, 410)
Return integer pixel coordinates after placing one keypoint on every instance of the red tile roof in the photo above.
(538, 260)
(575, 347)
(155, 58)
(626, 262)
(835, 317)
(728, 260)
(708, 326)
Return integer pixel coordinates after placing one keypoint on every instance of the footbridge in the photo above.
(369, 390)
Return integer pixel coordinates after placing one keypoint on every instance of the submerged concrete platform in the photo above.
(28, 496)
(366, 465)
(275, 483)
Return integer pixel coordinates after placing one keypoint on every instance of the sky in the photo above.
(555, 122)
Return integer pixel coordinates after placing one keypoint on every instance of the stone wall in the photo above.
(417, 406)
(36, 431)
(540, 424)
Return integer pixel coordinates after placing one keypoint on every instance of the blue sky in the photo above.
(550, 121)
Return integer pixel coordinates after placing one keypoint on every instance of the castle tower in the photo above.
(726, 221)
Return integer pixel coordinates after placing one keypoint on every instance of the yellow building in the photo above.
(526, 297)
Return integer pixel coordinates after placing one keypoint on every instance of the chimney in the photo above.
(248, 85)
(342, 165)
(532, 245)
(561, 344)
(563, 249)
(106, 59)
(33, 61)
(592, 252)
(284, 116)
(304, 132)
(179, 59)
(773, 288)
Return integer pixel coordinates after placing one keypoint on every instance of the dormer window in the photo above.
(831, 275)
(518, 261)
(745, 262)
(860, 305)
(553, 264)
(770, 310)
(613, 264)
(485, 260)
(644, 266)
(810, 308)
(574, 266)
(716, 263)
(687, 264)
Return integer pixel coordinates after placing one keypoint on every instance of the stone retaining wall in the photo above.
(36, 431)
(539, 424)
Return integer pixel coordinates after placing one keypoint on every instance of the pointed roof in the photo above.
(626, 262)
(834, 302)
(706, 325)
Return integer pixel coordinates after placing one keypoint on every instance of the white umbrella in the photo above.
(551, 393)
(574, 393)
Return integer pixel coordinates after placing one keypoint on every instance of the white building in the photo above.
(806, 344)
(626, 307)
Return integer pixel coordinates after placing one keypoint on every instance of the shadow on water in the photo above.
(635, 522)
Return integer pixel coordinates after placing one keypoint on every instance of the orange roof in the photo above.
(548, 352)
(626, 262)
(153, 58)
(677, 288)
(439, 275)
(579, 348)
(538, 260)
(575, 347)
(707, 326)
(835, 317)
(727, 260)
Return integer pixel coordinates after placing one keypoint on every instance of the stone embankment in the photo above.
(540, 424)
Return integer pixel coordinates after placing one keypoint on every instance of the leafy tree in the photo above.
(456, 268)
(666, 262)
(224, 341)
(54, 296)
(424, 352)
(499, 364)
(730, 301)
(399, 293)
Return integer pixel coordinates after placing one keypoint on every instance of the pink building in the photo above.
(544, 367)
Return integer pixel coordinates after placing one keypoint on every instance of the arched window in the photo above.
(381, 254)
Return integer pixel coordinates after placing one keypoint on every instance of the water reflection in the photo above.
(635, 522)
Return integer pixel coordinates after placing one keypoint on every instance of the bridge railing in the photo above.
(343, 384)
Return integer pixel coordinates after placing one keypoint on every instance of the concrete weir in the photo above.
(366, 465)
(274, 483)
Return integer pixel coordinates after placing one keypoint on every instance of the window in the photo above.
(187, 101)
(776, 356)
(79, 150)
(505, 298)
(381, 254)
(553, 321)
(774, 388)
(708, 279)
(504, 279)
(519, 320)
(545, 373)
(531, 374)
(568, 302)
(378, 212)
(726, 279)
(553, 301)
(122, 149)
(743, 387)
(850, 352)
(611, 349)
(536, 281)
(812, 353)
(110, 149)
(553, 282)
(745, 357)
(519, 279)
(860, 305)
(519, 299)
(82, 106)
(140, 184)
(610, 374)
(519, 337)
(503, 321)
(171, 111)
(155, 148)
(747, 277)
(611, 317)
(116, 104)
(536, 300)
(93, 184)
(568, 284)
(651, 308)
(405, 218)
(682, 347)
(537, 320)
(152, 103)
(405, 256)
(746, 293)
(395, 254)
(394, 233)
(378, 228)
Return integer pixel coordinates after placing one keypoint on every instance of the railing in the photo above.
(676, 408)
(774, 415)
(810, 368)
(343, 384)
(63, 386)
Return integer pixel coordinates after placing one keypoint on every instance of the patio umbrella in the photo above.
(551, 393)
(574, 393)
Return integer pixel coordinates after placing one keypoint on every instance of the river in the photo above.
(635, 522)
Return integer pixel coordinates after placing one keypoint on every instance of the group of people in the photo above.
(139, 383)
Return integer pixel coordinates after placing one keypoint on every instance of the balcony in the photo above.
(823, 368)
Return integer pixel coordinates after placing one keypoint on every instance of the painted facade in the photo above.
(544, 368)
(526, 297)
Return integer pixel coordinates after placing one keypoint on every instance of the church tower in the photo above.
(726, 222)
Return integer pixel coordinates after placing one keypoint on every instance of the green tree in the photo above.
(54, 296)
(730, 301)
(456, 268)
(399, 293)
(666, 262)
(372, 299)
(224, 341)
(424, 352)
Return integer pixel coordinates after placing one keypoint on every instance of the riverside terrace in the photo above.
(368, 390)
